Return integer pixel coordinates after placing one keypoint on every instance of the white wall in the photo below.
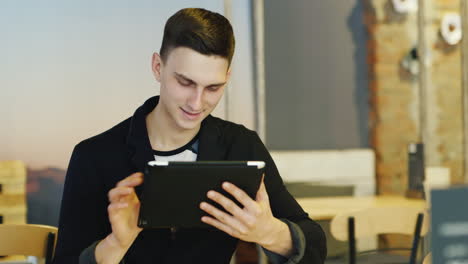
(354, 167)
(72, 69)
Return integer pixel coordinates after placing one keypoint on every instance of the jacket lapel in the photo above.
(211, 146)
(137, 140)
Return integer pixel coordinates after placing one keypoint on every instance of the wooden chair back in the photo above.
(28, 240)
(427, 259)
(376, 221)
(380, 220)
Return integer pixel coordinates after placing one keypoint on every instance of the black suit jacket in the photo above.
(98, 163)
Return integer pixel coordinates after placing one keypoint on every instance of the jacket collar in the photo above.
(210, 145)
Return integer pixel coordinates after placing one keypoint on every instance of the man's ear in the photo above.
(156, 65)
(228, 74)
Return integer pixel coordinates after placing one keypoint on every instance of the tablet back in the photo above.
(173, 191)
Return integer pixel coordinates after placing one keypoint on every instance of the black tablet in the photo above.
(173, 191)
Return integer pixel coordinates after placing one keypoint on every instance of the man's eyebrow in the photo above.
(180, 75)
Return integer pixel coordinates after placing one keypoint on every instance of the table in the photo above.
(16, 259)
(325, 208)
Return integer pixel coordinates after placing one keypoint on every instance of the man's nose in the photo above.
(195, 102)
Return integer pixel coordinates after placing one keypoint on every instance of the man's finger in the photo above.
(133, 180)
(225, 202)
(240, 214)
(225, 228)
(118, 193)
(262, 194)
(239, 194)
(223, 217)
(115, 206)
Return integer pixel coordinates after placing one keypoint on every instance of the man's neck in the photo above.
(163, 133)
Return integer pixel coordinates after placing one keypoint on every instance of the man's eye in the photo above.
(184, 83)
(213, 88)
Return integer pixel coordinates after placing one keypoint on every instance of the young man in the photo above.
(100, 206)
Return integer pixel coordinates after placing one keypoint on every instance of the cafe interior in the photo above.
(362, 104)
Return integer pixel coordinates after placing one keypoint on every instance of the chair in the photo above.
(380, 220)
(28, 240)
(427, 259)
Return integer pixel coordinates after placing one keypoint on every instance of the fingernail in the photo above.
(210, 194)
(226, 185)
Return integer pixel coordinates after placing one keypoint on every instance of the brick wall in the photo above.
(394, 94)
(446, 131)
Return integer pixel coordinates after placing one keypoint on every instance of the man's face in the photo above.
(191, 85)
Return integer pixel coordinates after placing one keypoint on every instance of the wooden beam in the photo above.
(464, 51)
(259, 54)
(423, 56)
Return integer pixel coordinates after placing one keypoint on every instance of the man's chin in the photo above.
(189, 124)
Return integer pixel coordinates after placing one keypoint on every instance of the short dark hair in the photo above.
(204, 31)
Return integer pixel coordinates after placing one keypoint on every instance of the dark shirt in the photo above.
(98, 163)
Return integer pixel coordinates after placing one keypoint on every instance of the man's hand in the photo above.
(123, 211)
(254, 223)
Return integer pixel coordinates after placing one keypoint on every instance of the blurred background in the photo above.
(340, 91)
